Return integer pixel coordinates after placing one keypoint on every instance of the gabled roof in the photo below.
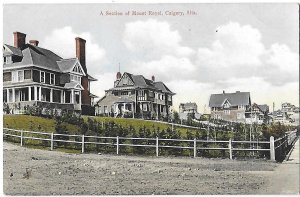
(141, 82)
(91, 78)
(264, 107)
(93, 95)
(235, 99)
(36, 56)
(14, 50)
(189, 105)
(42, 58)
(161, 86)
(67, 65)
(73, 85)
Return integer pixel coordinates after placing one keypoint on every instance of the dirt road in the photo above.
(57, 173)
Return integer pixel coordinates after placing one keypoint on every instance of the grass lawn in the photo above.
(138, 123)
(33, 123)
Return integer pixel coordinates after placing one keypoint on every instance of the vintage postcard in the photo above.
(150, 99)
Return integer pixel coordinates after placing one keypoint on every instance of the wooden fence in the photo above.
(272, 146)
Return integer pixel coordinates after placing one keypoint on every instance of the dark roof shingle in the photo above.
(235, 99)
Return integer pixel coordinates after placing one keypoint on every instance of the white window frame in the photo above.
(18, 76)
(52, 75)
(44, 76)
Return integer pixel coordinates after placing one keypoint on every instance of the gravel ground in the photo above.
(57, 173)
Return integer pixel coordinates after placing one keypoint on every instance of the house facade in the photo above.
(36, 77)
(233, 107)
(258, 114)
(288, 114)
(137, 97)
(188, 108)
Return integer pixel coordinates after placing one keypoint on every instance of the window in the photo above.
(7, 76)
(226, 111)
(75, 78)
(42, 76)
(141, 93)
(27, 74)
(52, 78)
(7, 60)
(151, 94)
(20, 75)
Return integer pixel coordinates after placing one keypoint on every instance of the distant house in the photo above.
(230, 106)
(35, 76)
(258, 114)
(288, 114)
(188, 108)
(137, 97)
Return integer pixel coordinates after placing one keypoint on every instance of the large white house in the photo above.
(36, 77)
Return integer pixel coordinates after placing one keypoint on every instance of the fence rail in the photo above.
(191, 144)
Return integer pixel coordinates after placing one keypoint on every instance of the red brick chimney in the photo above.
(34, 42)
(19, 39)
(80, 52)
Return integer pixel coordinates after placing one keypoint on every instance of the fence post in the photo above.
(52, 136)
(21, 137)
(230, 148)
(195, 148)
(272, 149)
(82, 144)
(156, 146)
(117, 145)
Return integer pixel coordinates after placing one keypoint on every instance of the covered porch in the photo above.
(26, 95)
(122, 109)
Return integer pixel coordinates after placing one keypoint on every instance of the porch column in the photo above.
(7, 95)
(72, 96)
(51, 95)
(61, 96)
(124, 105)
(132, 110)
(35, 93)
(64, 96)
(29, 93)
(40, 94)
(157, 111)
(13, 95)
(80, 97)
